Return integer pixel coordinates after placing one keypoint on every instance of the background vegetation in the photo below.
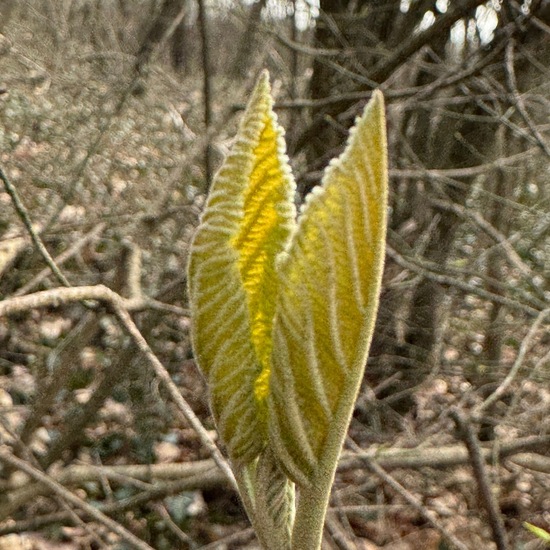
(114, 116)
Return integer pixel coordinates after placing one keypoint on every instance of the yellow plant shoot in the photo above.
(283, 311)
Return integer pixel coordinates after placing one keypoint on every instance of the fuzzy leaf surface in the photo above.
(327, 301)
(274, 500)
(247, 222)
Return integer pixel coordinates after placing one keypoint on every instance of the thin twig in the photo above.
(121, 307)
(338, 534)
(478, 465)
(61, 259)
(205, 473)
(173, 527)
(459, 273)
(8, 458)
(452, 176)
(60, 296)
(77, 520)
(124, 317)
(25, 218)
(533, 373)
(414, 94)
(239, 538)
(410, 498)
(206, 88)
(511, 79)
(462, 285)
(507, 382)
(468, 214)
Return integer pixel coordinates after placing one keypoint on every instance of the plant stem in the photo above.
(310, 515)
(313, 501)
(247, 499)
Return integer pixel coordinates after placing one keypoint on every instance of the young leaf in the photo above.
(327, 302)
(247, 222)
(274, 500)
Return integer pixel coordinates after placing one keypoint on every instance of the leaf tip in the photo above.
(263, 86)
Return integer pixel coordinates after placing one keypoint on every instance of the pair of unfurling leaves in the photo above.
(283, 310)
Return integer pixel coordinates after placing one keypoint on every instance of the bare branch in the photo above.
(120, 306)
(57, 297)
(442, 24)
(410, 499)
(417, 267)
(480, 473)
(8, 458)
(172, 478)
(532, 461)
(440, 457)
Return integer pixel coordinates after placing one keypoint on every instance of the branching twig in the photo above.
(533, 372)
(460, 273)
(120, 307)
(507, 382)
(25, 218)
(8, 458)
(410, 498)
(164, 376)
(403, 53)
(414, 94)
(62, 258)
(462, 285)
(468, 214)
(205, 473)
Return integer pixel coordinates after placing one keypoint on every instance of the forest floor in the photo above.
(115, 172)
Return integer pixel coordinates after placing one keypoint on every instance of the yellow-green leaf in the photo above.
(327, 302)
(274, 500)
(247, 222)
(538, 531)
